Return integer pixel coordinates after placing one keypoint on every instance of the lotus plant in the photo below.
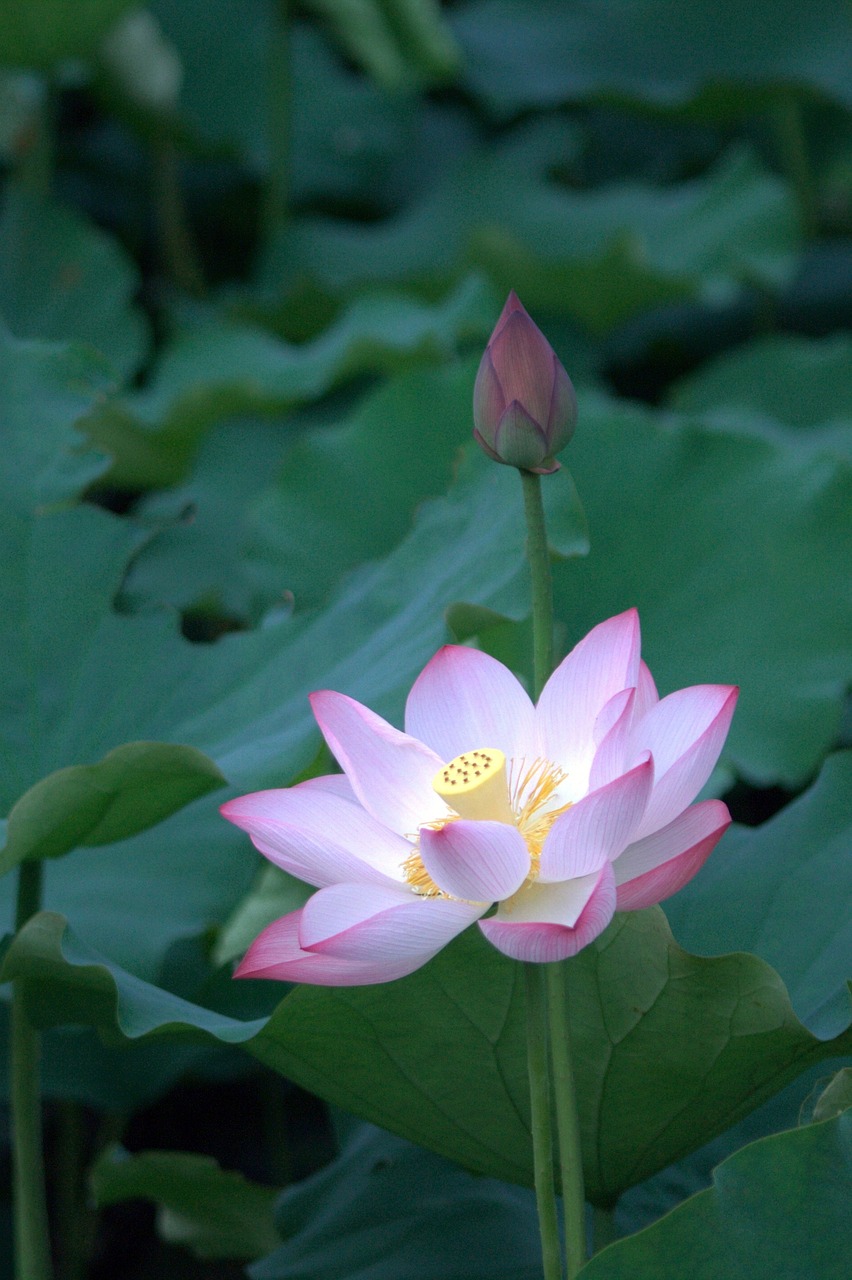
(557, 814)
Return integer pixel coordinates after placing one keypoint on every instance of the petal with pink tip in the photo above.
(612, 736)
(562, 417)
(319, 832)
(601, 665)
(464, 699)
(685, 732)
(477, 861)
(597, 828)
(372, 923)
(523, 360)
(654, 868)
(276, 954)
(646, 692)
(554, 921)
(391, 773)
(489, 401)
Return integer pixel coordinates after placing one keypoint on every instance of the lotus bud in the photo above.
(524, 406)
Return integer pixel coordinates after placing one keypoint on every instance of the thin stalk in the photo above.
(538, 555)
(542, 1122)
(793, 147)
(567, 1121)
(32, 1236)
(276, 208)
(178, 247)
(604, 1227)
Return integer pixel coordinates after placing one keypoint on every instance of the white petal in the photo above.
(390, 772)
(464, 699)
(477, 861)
(369, 923)
(319, 832)
(600, 666)
(563, 920)
(597, 828)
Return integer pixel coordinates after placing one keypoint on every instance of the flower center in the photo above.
(482, 786)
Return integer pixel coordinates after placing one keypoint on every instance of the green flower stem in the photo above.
(276, 206)
(604, 1227)
(32, 1236)
(542, 1124)
(567, 1121)
(793, 148)
(538, 555)
(553, 980)
(178, 248)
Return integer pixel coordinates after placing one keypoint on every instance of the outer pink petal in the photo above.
(598, 828)
(489, 402)
(276, 954)
(372, 923)
(477, 861)
(319, 832)
(464, 699)
(646, 692)
(390, 772)
(612, 739)
(547, 938)
(685, 732)
(523, 360)
(656, 867)
(601, 665)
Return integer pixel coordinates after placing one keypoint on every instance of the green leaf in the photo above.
(714, 536)
(600, 256)
(210, 1210)
(63, 278)
(835, 1098)
(779, 1207)
(670, 1049)
(39, 33)
(274, 894)
(386, 1210)
(781, 386)
(221, 369)
(799, 856)
(132, 788)
(653, 51)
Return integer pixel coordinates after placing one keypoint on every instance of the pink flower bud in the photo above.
(524, 406)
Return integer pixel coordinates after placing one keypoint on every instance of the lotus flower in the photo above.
(560, 813)
(524, 406)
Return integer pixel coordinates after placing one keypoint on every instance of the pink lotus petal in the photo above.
(319, 832)
(523, 360)
(546, 923)
(646, 692)
(464, 699)
(390, 772)
(685, 732)
(477, 861)
(601, 665)
(489, 402)
(368, 923)
(656, 867)
(597, 828)
(276, 954)
(613, 752)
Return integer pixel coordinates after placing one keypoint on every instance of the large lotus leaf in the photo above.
(63, 278)
(543, 52)
(670, 1048)
(221, 369)
(753, 897)
(600, 256)
(779, 1207)
(385, 1210)
(735, 550)
(212, 1211)
(341, 495)
(39, 33)
(799, 388)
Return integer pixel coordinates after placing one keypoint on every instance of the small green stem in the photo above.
(542, 1125)
(567, 1121)
(793, 147)
(32, 1236)
(538, 554)
(604, 1227)
(276, 210)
